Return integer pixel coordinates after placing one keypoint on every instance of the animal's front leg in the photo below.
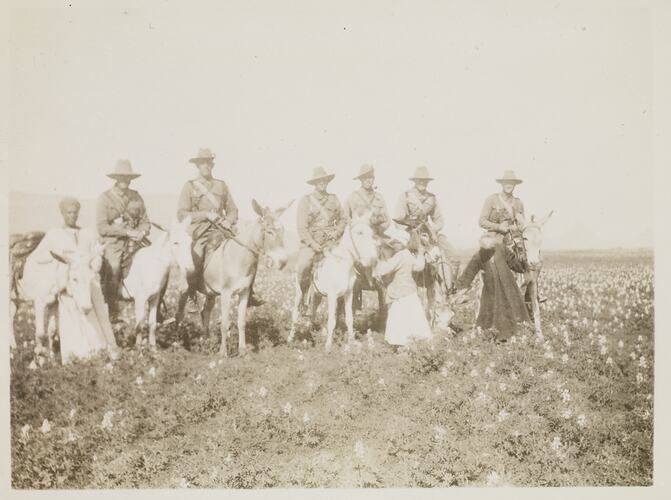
(225, 300)
(206, 313)
(140, 316)
(153, 320)
(39, 325)
(332, 311)
(242, 321)
(295, 314)
(349, 316)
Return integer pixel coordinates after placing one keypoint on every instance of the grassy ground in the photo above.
(574, 409)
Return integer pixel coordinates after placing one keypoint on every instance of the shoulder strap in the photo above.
(365, 200)
(203, 190)
(117, 197)
(510, 208)
(318, 205)
(412, 196)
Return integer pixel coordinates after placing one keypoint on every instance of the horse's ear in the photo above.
(281, 210)
(59, 258)
(542, 222)
(258, 208)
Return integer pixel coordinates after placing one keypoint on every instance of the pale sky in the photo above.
(560, 92)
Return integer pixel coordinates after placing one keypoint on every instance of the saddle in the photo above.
(20, 247)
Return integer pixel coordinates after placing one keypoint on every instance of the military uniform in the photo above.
(200, 196)
(415, 205)
(497, 209)
(321, 224)
(362, 201)
(111, 222)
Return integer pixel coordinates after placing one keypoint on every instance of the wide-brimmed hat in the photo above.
(123, 169)
(203, 154)
(509, 177)
(319, 174)
(421, 173)
(364, 171)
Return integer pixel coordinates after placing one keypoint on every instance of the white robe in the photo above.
(80, 335)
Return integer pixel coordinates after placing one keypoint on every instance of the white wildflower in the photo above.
(503, 416)
(109, 367)
(359, 449)
(306, 418)
(642, 362)
(620, 344)
(474, 372)
(263, 392)
(488, 371)
(582, 421)
(380, 381)
(198, 377)
(639, 378)
(440, 432)
(609, 361)
(72, 437)
(25, 430)
(32, 365)
(183, 483)
(152, 372)
(287, 408)
(139, 380)
(72, 413)
(565, 396)
(438, 392)
(564, 358)
(556, 443)
(567, 413)
(212, 364)
(503, 387)
(493, 478)
(46, 426)
(107, 421)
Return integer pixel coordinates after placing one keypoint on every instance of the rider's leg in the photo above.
(304, 271)
(111, 277)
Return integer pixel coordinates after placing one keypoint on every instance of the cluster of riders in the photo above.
(76, 277)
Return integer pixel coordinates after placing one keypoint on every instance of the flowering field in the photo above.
(573, 409)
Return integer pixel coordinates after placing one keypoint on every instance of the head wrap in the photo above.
(67, 203)
(399, 235)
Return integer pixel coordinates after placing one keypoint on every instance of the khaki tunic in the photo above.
(424, 207)
(361, 201)
(321, 220)
(494, 212)
(192, 201)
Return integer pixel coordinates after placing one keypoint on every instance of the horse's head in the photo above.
(362, 238)
(533, 238)
(272, 235)
(82, 269)
(180, 244)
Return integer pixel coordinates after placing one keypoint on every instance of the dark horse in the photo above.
(422, 239)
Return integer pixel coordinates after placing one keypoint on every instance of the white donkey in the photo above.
(148, 276)
(46, 274)
(231, 270)
(334, 277)
(533, 239)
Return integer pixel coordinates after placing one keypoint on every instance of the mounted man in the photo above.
(321, 223)
(123, 225)
(363, 200)
(213, 213)
(418, 206)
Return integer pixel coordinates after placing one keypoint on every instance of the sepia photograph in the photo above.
(387, 245)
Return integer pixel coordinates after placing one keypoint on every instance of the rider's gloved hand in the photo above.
(212, 216)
